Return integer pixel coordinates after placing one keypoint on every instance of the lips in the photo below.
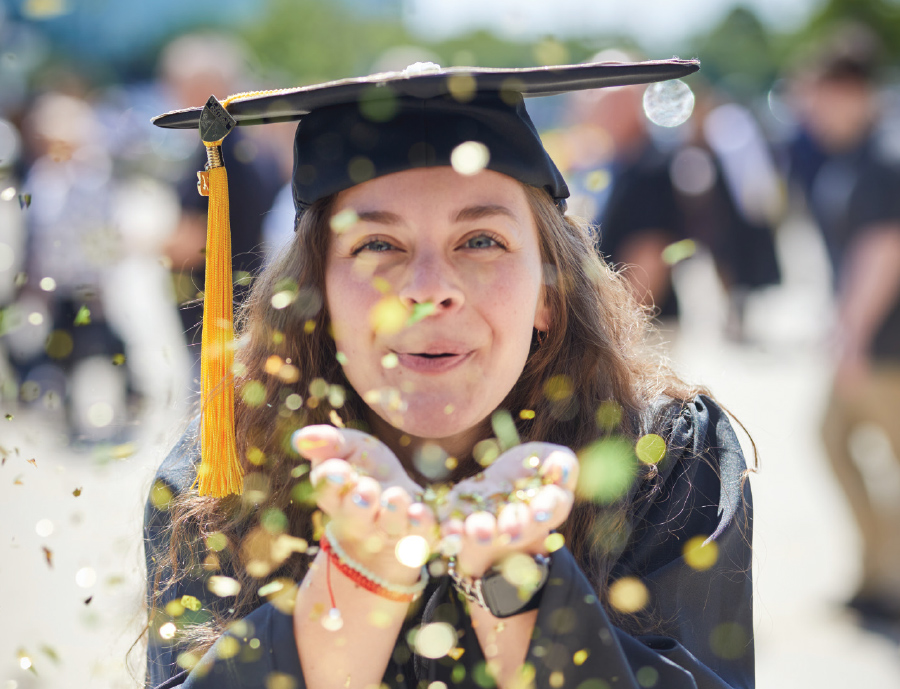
(434, 358)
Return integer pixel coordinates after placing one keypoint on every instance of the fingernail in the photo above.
(484, 538)
(542, 515)
(360, 500)
(415, 521)
(388, 505)
(336, 478)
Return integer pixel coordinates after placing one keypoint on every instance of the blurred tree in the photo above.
(881, 16)
(737, 54)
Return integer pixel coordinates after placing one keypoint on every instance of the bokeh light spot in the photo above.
(470, 157)
(85, 577)
(668, 103)
(412, 551)
(650, 449)
(628, 595)
(435, 640)
(647, 676)
(44, 528)
(699, 556)
(729, 640)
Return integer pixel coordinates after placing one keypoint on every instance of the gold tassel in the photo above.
(220, 472)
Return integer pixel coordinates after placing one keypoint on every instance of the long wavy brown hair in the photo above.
(595, 355)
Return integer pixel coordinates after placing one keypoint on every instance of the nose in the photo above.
(430, 277)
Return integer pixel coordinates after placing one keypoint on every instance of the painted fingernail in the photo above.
(542, 515)
(360, 500)
(484, 538)
(414, 521)
(338, 479)
(388, 505)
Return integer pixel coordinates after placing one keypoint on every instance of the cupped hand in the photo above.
(361, 485)
(510, 507)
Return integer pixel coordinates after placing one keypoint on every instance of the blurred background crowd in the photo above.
(755, 206)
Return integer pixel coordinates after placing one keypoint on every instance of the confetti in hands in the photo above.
(511, 507)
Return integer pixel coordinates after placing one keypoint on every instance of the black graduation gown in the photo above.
(703, 636)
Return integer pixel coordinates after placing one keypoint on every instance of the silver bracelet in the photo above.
(467, 586)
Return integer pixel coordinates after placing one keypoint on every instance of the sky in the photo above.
(658, 25)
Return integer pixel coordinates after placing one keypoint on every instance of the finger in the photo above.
(332, 479)
(422, 522)
(392, 515)
(318, 443)
(361, 503)
(481, 528)
(550, 508)
(560, 468)
(512, 522)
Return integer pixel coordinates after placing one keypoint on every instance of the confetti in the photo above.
(24, 201)
(435, 640)
(87, 601)
(83, 317)
(85, 577)
(77, 492)
(343, 221)
(700, 555)
(191, 603)
(118, 359)
(32, 462)
(679, 251)
(650, 449)
(729, 640)
(421, 312)
(412, 551)
(505, 429)
(608, 467)
(628, 595)
(48, 555)
(470, 157)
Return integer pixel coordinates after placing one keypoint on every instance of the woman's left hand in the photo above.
(510, 507)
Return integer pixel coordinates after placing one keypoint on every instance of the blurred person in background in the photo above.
(194, 67)
(850, 181)
(62, 344)
(714, 183)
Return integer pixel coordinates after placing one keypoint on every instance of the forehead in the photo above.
(435, 190)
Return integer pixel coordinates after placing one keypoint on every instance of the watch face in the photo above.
(503, 599)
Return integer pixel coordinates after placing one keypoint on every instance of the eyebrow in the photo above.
(380, 217)
(467, 214)
(484, 211)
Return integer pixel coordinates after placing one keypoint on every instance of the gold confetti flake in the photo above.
(650, 449)
(699, 556)
(628, 595)
(456, 653)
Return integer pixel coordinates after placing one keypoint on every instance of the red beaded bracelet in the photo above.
(362, 580)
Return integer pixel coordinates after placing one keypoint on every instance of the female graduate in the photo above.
(452, 462)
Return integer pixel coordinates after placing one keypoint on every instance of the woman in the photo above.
(467, 378)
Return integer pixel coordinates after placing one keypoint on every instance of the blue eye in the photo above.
(376, 245)
(482, 241)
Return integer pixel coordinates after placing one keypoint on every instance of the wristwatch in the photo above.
(495, 593)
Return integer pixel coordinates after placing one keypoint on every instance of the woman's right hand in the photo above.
(370, 498)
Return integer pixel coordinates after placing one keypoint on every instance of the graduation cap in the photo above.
(353, 130)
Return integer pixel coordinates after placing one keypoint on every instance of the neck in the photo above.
(426, 459)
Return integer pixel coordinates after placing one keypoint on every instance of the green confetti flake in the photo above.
(679, 251)
(191, 603)
(421, 312)
(83, 317)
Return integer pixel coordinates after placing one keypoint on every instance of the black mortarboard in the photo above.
(354, 130)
